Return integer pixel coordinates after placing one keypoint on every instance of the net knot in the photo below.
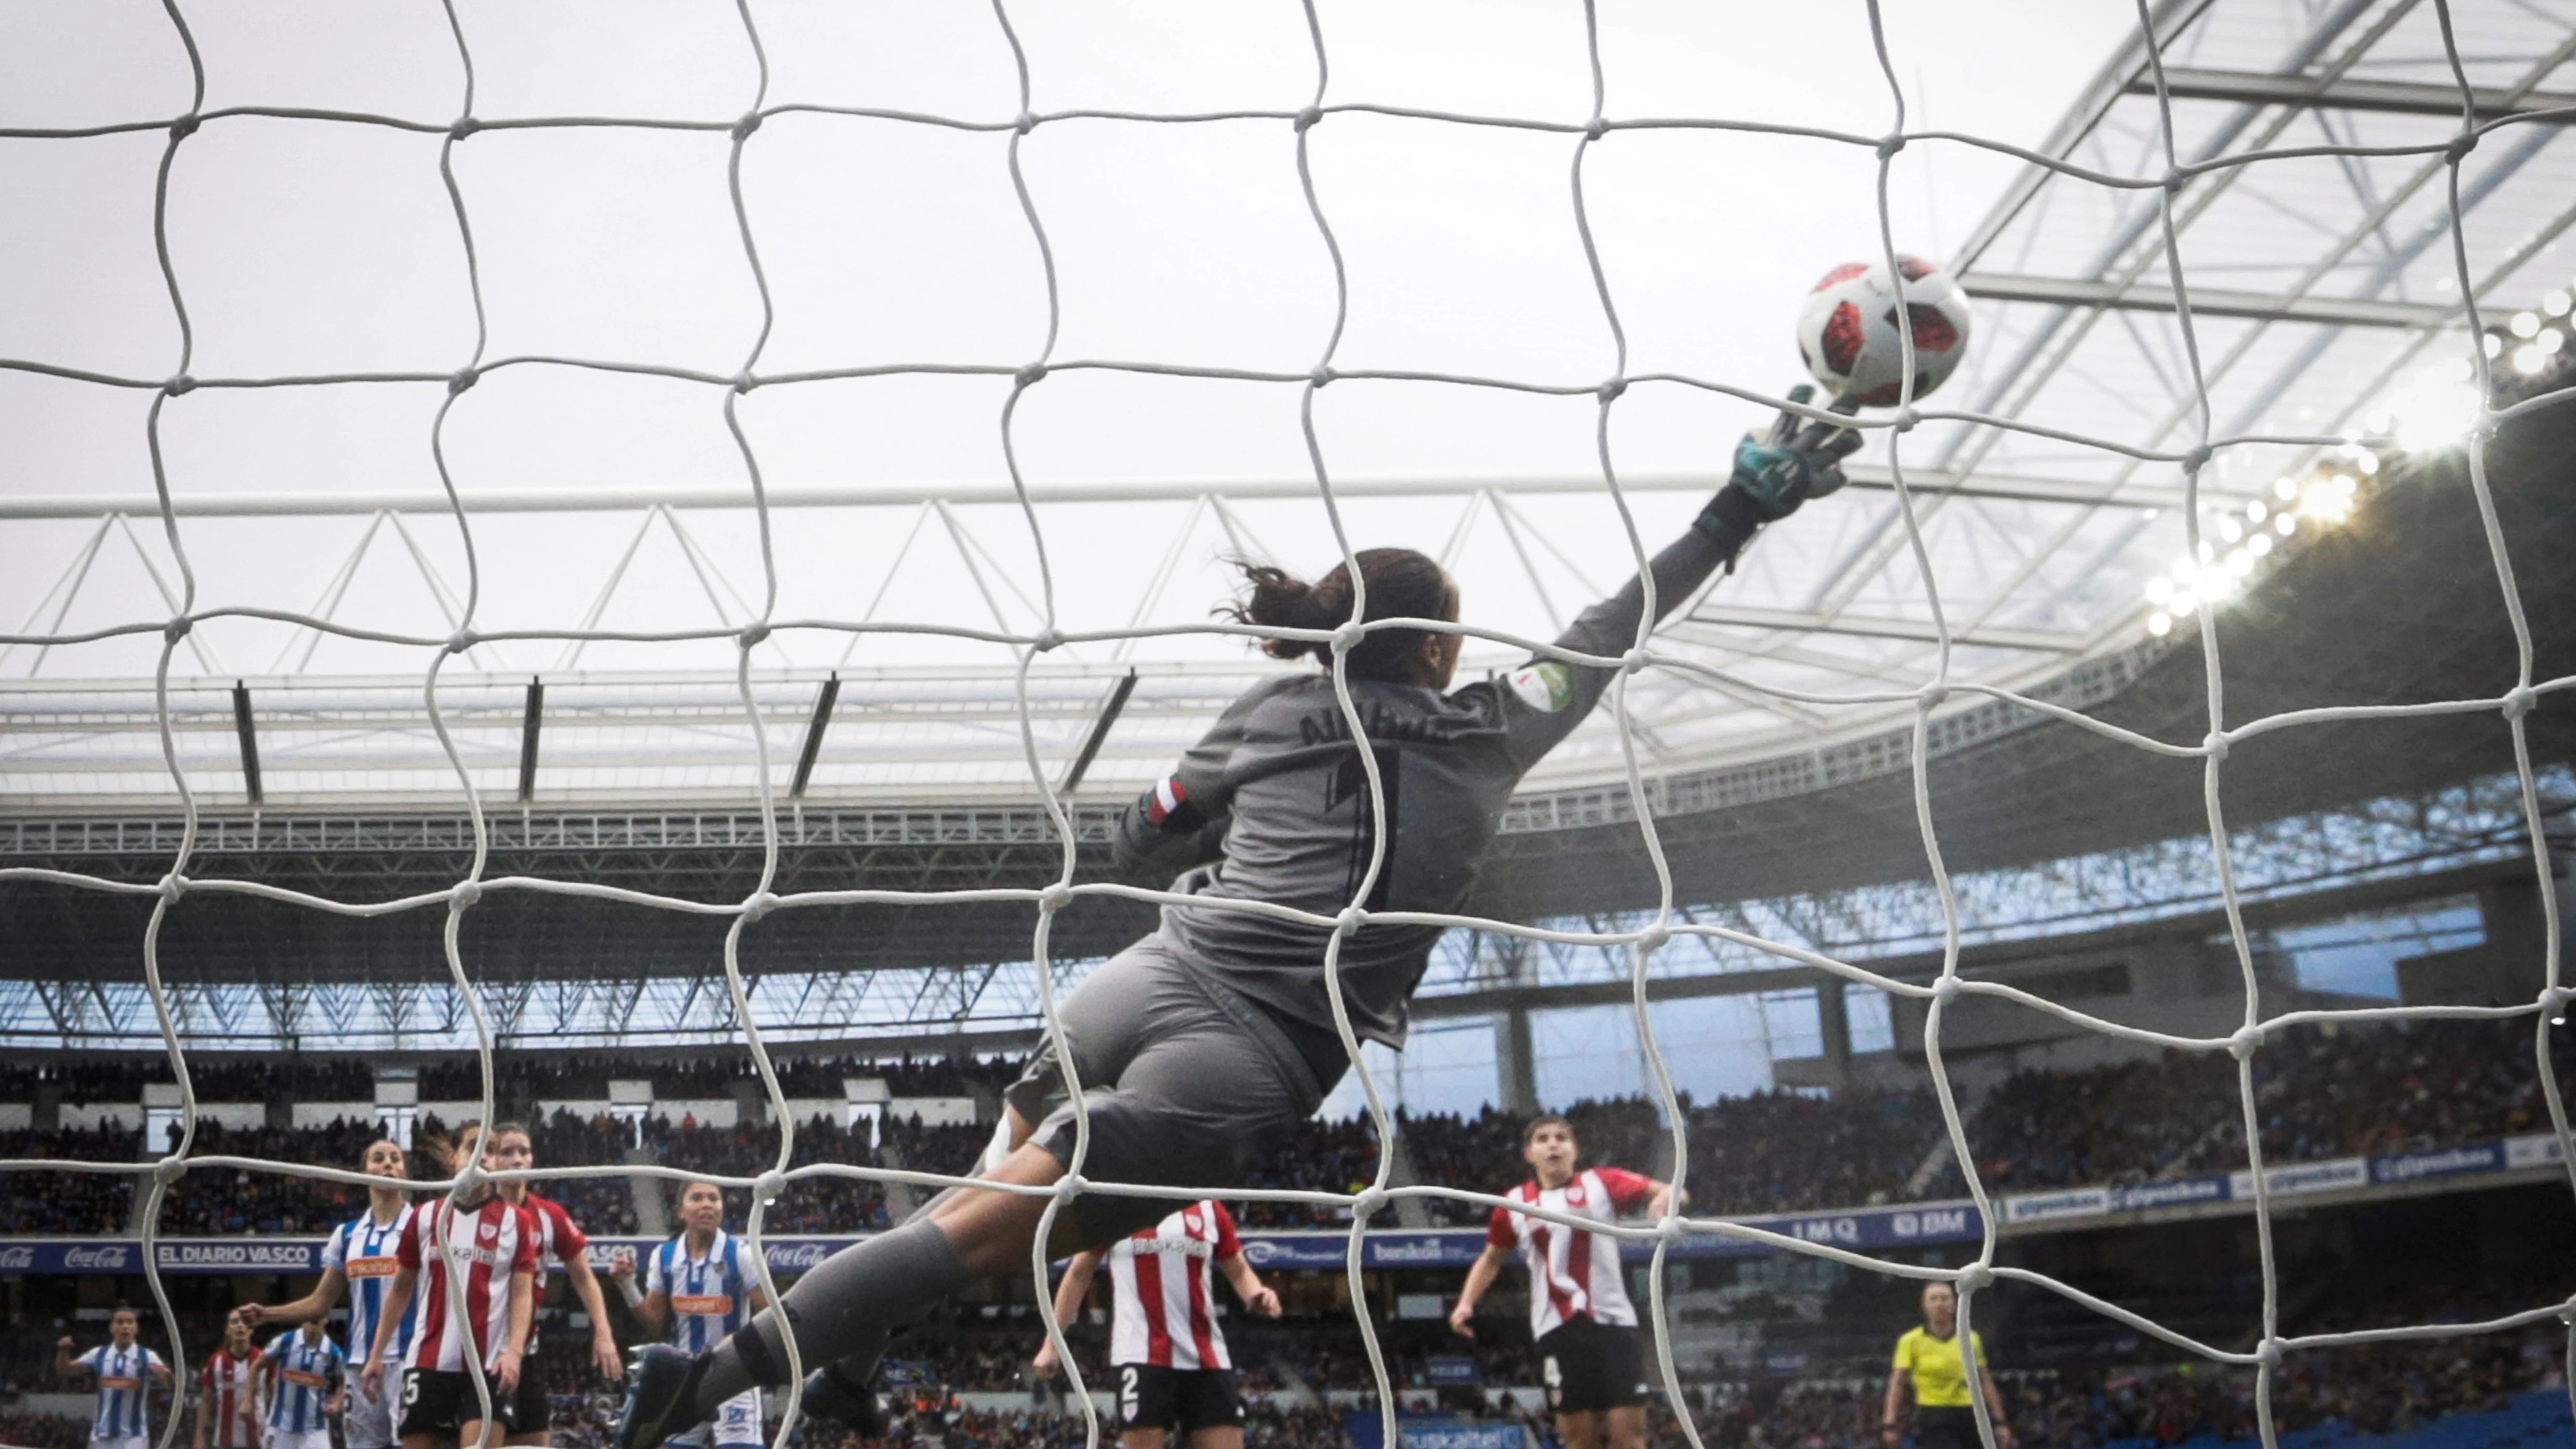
(757, 905)
(1350, 920)
(1030, 375)
(2269, 1353)
(1026, 123)
(1349, 636)
(461, 379)
(1632, 662)
(749, 123)
(1370, 1201)
(766, 1187)
(1055, 897)
(469, 1180)
(1070, 1186)
(1307, 118)
(1946, 989)
(2519, 700)
(1597, 129)
(1610, 390)
(2243, 1041)
(460, 641)
(1931, 697)
(754, 635)
(465, 126)
(2196, 459)
(464, 894)
(184, 127)
(1653, 939)
(2173, 180)
(172, 886)
(180, 385)
(744, 382)
(1976, 1278)
(169, 1170)
(1906, 418)
(1319, 377)
(2461, 145)
(2216, 745)
(177, 629)
(2553, 1004)
(1889, 145)
(1047, 640)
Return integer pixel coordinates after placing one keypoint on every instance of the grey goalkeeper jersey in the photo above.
(1280, 783)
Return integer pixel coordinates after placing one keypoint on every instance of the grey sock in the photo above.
(843, 1311)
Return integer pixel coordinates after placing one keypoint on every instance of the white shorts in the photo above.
(736, 1424)
(306, 1439)
(369, 1423)
(120, 1441)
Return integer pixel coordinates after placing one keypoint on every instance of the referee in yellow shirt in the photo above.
(1928, 1359)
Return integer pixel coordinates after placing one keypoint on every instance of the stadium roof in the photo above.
(2330, 290)
(2322, 290)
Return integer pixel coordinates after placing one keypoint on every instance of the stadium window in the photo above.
(1873, 1024)
(2357, 955)
(1795, 1027)
(397, 1123)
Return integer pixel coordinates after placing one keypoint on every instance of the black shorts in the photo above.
(1945, 1426)
(1589, 1366)
(1179, 1401)
(441, 1401)
(531, 1412)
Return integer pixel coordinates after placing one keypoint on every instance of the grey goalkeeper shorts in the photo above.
(1187, 1084)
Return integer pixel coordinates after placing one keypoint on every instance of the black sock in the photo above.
(842, 1312)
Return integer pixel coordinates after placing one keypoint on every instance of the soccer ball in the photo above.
(1847, 330)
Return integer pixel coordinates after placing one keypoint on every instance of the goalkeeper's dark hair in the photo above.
(1402, 584)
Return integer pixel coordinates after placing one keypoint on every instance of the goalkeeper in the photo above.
(1204, 1042)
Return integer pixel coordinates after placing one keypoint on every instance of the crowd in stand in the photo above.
(586, 1075)
(2321, 1091)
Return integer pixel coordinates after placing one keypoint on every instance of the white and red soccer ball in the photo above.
(1847, 330)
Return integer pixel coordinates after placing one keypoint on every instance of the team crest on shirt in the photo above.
(491, 1231)
(1544, 686)
(1574, 1194)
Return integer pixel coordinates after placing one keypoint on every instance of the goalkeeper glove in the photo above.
(1799, 460)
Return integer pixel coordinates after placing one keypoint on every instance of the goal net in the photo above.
(2175, 181)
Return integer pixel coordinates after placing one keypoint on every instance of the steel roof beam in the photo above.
(864, 495)
(2209, 302)
(1809, 623)
(2410, 98)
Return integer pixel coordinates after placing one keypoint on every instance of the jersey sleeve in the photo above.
(1904, 1353)
(1629, 1191)
(335, 1250)
(1229, 1243)
(1503, 1230)
(90, 1359)
(407, 1247)
(1541, 702)
(1170, 826)
(654, 1281)
(525, 1260)
(569, 1238)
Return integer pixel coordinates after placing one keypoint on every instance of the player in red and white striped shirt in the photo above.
(560, 1244)
(1164, 1343)
(227, 1408)
(492, 1243)
(1581, 1322)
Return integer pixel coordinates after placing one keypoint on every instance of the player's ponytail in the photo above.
(1402, 584)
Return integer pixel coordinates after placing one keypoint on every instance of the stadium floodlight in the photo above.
(2437, 407)
(2160, 623)
(2556, 302)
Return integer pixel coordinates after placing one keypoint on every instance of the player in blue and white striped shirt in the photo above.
(704, 1285)
(124, 1370)
(360, 1258)
(307, 1382)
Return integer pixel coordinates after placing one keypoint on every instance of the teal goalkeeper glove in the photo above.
(1798, 461)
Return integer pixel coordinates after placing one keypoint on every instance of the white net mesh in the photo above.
(1640, 944)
